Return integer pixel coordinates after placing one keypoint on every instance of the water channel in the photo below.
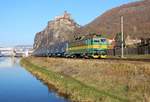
(18, 85)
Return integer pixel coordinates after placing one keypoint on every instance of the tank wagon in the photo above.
(57, 49)
(93, 45)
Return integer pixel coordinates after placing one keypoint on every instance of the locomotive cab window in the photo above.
(96, 40)
(103, 40)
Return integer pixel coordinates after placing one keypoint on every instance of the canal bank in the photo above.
(68, 86)
(93, 80)
(64, 85)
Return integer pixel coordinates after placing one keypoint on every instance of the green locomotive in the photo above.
(92, 45)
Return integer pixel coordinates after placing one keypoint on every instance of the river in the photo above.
(18, 85)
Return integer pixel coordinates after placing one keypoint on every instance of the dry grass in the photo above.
(130, 80)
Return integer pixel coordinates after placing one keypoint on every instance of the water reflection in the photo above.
(18, 85)
(52, 89)
(8, 61)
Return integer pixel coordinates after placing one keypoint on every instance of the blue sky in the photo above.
(21, 19)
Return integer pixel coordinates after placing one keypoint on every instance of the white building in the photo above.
(23, 50)
(7, 51)
(17, 51)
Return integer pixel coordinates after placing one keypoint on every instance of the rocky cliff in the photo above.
(136, 21)
(58, 30)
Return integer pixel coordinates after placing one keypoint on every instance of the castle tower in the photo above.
(66, 15)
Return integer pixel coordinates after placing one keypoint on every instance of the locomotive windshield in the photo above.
(103, 40)
(96, 40)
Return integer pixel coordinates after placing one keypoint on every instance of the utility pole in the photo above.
(122, 38)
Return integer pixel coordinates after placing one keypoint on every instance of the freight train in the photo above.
(90, 46)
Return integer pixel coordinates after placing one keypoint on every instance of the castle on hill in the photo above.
(66, 15)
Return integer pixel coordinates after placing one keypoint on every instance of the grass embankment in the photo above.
(94, 80)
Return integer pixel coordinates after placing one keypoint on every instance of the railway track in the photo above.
(117, 59)
(128, 59)
(110, 59)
